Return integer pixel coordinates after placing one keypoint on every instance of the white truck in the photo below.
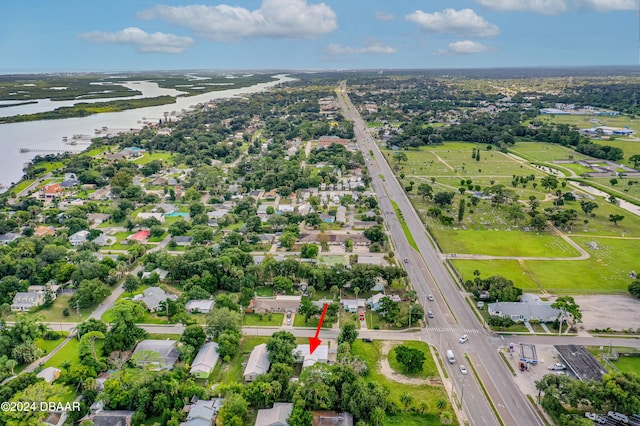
(450, 357)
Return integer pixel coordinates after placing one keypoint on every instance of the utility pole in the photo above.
(78, 309)
(409, 314)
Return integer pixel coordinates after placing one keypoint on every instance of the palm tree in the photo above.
(406, 400)
(446, 418)
(377, 416)
(422, 407)
(356, 291)
(441, 403)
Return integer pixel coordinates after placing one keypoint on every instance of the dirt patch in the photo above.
(387, 371)
(616, 311)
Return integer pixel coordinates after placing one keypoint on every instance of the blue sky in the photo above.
(81, 35)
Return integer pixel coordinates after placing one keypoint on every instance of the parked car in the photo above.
(557, 366)
(367, 340)
(288, 314)
(463, 369)
(463, 339)
(361, 316)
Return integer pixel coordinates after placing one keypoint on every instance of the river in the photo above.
(48, 134)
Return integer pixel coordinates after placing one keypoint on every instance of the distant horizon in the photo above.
(318, 70)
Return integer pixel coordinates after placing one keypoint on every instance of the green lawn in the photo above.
(628, 364)
(370, 352)
(605, 272)
(428, 368)
(49, 345)
(298, 321)
(405, 227)
(262, 319)
(165, 157)
(54, 312)
(545, 152)
(503, 243)
(332, 260)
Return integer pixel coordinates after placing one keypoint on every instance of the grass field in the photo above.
(232, 371)
(545, 152)
(165, 157)
(332, 260)
(54, 312)
(605, 272)
(370, 352)
(49, 345)
(503, 243)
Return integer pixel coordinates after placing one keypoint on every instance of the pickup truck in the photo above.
(450, 357)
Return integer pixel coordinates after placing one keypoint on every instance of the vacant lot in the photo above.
(602, 311)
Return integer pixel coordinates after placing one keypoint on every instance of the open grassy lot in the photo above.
(49, 345)
(628, 364)
(503, 243)
(605, 272)
(54, 312)
(69, 352)
(332, 260)
(370, 352)
(586, 121)
(165, 157)
(545, 152)
(622, 186)
(428, 368)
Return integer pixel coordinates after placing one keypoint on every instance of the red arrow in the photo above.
(314, 342)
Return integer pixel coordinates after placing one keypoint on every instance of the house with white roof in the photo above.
(203, 412)
(529, 308)
(257, 364)
(153, 296)
(158, 216)
(301, 355)
(202, 306)
(374, 301)
(79, 238)
(166, 349)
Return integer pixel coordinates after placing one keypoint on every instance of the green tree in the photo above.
(308, 309)
(234, 411)
(425, 190)
(461, 208)
(348, 333)
(635, 159)
(131, 283)
(228, 344)
(568, 305)
(615, 218)
(309, 251)
(443, 199)
(406, 399)
(412, 359)
(280, 347)
(282, 284)
(288, 239)
(219, 320)
(193, 335)
(634, 288)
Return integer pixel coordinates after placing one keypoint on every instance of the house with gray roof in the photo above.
(276, 416)
(257, 364)
(205, 360)
(165, 348)
(112, 418)
(79, 238)
(529, 308)
(201, 306)
(25, 301)
(153, 296)
(280, 303)
(203, 412)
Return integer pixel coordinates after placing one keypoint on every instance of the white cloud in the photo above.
(465, 47)
(450, 21)
(544, 7)
(373, 48)
(141, 40)
(607, 5)
(274, 18)
(383, 16)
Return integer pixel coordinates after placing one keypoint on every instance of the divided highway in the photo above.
(429, 275)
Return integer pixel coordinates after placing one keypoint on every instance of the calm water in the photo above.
(48, 134)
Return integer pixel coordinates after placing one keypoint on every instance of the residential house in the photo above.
(331, 418)
(262, 305)
(205, 360)
(257, 364)
(182, 240)
(8, 237)
(270, 195)
(153, 296)
(55, 418)
(140, 236)
(79, 238)
(162, 273)
(301, 355)
(112, 418)
(51, 191)
(202, 306)
(258, 259)
(326, 218)
(374, 301)
(166, 349)
(49, 374)
(165, 208)
(43, 231)
(341, 214)
(105, 240)
(285, 208)
(529, 308)
(158, 216)
(96, 219)
(276, 416)
(203, 412)
(353, 305)
(26, 301)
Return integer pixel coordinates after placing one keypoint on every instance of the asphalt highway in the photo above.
(429, 275)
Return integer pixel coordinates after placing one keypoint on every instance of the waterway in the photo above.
(48, 134)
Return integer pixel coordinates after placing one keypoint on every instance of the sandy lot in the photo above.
(600, 311)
